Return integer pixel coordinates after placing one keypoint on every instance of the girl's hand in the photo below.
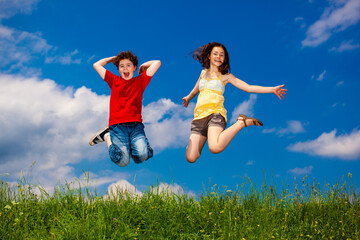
(279, 91)
(186, 101)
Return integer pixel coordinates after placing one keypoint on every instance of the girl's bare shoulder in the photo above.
(227, 77)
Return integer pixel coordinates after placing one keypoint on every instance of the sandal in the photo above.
(255, 121)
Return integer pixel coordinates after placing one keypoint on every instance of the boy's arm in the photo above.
(151, 66)
(99, 65)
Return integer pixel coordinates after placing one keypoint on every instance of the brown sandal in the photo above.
(255, 121)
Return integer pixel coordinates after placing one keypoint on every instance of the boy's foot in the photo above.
(99, 137)
(254, 121)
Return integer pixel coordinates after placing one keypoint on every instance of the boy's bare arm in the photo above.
(151, 66)
(99, 65)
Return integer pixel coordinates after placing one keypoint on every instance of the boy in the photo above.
(125, 135)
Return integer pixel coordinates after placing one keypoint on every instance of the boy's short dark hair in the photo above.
(125, 55)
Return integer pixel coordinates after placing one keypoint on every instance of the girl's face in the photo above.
(126, 69)
(217, 56)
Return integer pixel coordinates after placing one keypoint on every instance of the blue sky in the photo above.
(52, 100)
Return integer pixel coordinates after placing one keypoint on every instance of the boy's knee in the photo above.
(141, 157)
(118, 156)
(141, 151)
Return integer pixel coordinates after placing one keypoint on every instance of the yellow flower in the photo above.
(222, 212)
(258, 225)
(349, 174)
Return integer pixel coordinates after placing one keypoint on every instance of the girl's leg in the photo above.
(219, 139)
(194, 147)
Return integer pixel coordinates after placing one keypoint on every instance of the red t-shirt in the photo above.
(126, 97)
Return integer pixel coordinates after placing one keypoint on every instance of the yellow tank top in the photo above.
(210, 99)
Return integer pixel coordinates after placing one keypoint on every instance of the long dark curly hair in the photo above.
(202, 55)
(125, 55)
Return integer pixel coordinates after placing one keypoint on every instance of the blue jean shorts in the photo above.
(128, 139)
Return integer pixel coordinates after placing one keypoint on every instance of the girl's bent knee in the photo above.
(192, 159)
(216, 150)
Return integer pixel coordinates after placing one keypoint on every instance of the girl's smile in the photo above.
(217, 56)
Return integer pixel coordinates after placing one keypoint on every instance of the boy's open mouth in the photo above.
(126, 74)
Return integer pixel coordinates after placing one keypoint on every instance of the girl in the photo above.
(210, 115)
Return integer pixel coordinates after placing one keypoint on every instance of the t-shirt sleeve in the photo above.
(146, 79)
(109, 78)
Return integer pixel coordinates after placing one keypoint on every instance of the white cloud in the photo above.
(250, 163)
(167, 124)
(40, 121)
(43, 122)
(293, 127)
(67, 59)
(301, 171)
(126, 189)
(246, 107)
(336, 18)
(10, 8)
(17, 48)
(321, 76)
(346, 146)
(300, 20)
(345, 46)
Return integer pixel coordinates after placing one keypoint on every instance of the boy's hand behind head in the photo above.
(142, 69)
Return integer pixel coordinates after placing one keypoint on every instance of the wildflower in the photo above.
(221, 211)
(0, 214)
(7, 207)
(349, 174)
(114, 219)
(272, 237)
(258, 225)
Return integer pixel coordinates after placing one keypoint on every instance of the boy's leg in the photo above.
(119, 149)
(139, 144)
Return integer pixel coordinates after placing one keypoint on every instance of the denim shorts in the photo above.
(128, 139)
(200, 126)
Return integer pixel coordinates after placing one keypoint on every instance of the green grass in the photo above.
(300, 211)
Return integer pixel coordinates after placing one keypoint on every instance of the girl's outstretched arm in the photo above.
(151, 66)
(277, 90)
(193, 92)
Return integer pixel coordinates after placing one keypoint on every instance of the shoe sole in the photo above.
(96, 135)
